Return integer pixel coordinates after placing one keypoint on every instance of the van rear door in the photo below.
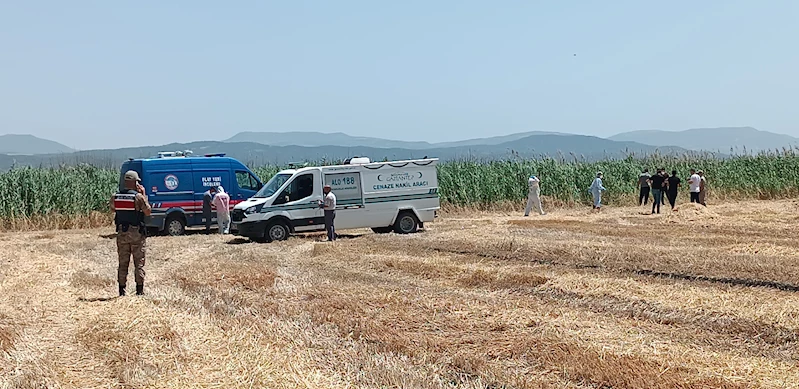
(349, 198)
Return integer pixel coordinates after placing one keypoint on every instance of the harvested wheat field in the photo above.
(699, 298)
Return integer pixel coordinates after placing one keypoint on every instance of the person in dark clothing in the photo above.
(208, 198)
(643, 183)
(673, 183)
(657, 182)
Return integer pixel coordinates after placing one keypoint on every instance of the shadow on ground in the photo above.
(96, 299)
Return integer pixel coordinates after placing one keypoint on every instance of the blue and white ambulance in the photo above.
(397, 196)
(175, 184)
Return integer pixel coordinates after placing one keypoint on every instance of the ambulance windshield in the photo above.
(272, 186)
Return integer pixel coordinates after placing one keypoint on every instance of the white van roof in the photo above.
(423, 162)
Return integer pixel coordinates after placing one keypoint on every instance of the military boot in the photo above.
(121, 290)
(139, 289)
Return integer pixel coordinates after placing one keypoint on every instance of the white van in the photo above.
(395, 196)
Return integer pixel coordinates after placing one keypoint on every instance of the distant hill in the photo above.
(496, 140)
(311, 139)
(588, 147)
(30, 145)
(712, 139)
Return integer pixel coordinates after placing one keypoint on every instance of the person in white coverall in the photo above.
(222, 204)
(596, 190)
(533, 195)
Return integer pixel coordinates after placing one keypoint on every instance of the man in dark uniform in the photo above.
(208, 199)
(131, 207)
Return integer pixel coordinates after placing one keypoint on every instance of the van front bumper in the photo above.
(252, 230)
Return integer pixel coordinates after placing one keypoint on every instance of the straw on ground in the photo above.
(701, 298)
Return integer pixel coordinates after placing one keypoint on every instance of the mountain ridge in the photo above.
(723, 139)
(25, 144)
(720, 139)
(315, 138)
(533, 146)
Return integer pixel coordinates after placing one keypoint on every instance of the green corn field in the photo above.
(473, 183)
(28, 192)
(75, 191)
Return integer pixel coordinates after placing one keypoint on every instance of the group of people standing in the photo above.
(661, 186)
(663, 183)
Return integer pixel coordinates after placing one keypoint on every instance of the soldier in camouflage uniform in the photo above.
(131, 207)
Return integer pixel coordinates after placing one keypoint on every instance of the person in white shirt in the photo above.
(533, 196)
(694, 185)
(329, 205)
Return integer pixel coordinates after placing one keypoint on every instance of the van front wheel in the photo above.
(277, 231)
(175, 225)
(406, 223)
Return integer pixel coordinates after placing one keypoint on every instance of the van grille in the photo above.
(237, 215)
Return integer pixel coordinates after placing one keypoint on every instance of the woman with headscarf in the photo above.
(596, 190)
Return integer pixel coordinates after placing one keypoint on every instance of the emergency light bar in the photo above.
(174, 154)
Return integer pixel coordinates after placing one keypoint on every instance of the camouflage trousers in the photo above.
(131, 243)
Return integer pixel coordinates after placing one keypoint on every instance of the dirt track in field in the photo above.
(698, 298)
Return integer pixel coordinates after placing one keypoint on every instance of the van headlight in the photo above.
(250, 210)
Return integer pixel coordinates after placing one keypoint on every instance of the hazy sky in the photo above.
(111, 74)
